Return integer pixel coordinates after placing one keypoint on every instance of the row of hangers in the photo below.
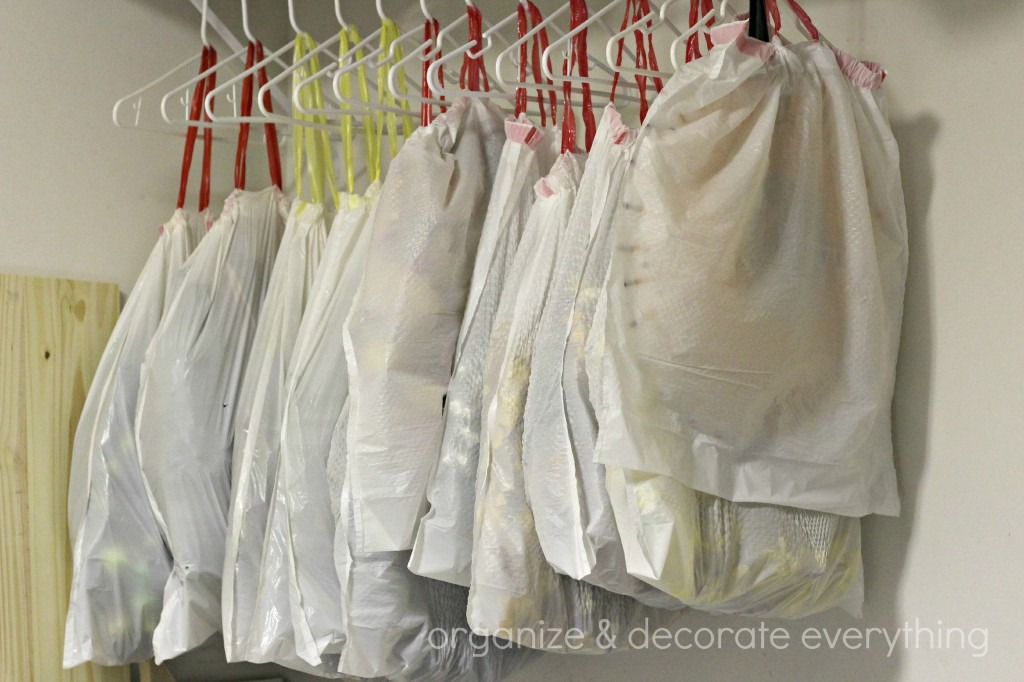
(388, 55)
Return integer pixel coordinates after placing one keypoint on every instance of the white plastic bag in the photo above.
(187, 401)
(398, 624)
(565, 487)
(710, 553)
(317, 392)
(273, 635)
(119, 560)
(444, 541)
(755, 559)
(260, 412)
(515, 594)
(405, 321)
(761, 281)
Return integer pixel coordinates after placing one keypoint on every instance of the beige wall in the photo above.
(80, 198)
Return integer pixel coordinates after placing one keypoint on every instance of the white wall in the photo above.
(81, 198)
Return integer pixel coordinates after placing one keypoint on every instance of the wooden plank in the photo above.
(52, 334)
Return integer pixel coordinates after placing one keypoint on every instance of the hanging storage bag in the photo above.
(444, 541)
(773, 382)
(759, 335)
(574, 519)
(261, 399)
(515, 594)
(189, 393)
(398, 624)
(119, 561)
(505, 547)
(565, 487)
(406, 318)
(317, 390)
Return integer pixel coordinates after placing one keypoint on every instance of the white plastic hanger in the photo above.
(291, 17)
(511, 52)
(275, 56)
(385, 61)
(562, 42)
(339, 70)
(287, 73)
(136, 96)
(599, 90)
(349, 67)
(259, 92)
(136, 99)
(338, 15)
(334, 39)
(717, 13)
(388, 59)
(646, 25)
(433, 80)
(184, 90)
(423, 52)
(333, 62)
(209, 19)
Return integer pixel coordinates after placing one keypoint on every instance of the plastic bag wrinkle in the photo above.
(119, 560)
(186, 410)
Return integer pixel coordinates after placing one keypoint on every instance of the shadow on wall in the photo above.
(886, 539)
(977, 15)
(267, 18)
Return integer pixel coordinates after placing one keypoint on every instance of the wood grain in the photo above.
(52, 334)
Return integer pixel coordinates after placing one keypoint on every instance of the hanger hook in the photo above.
(663, 14)
(337, 13)
(380, 10)
(426, 12)
(202, 26)
(245, 21)
(291, 17)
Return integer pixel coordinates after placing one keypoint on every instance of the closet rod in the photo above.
(758, 26)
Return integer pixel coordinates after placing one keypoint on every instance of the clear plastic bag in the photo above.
(405, 322)
(257, 442)
(119, 560)
(187, 401)
(444, 541)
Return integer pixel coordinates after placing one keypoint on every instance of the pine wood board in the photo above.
(52, 334)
